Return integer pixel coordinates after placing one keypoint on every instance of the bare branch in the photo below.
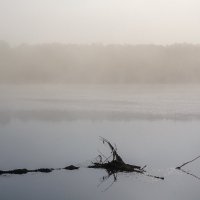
(179, 167)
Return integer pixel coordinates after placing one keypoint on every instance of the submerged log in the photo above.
(15, 171)
(117, 166)
(41, 170)
(25, 171)
(113, 164)
(71, 167)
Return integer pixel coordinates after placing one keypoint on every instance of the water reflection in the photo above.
(38, 131)
(158, 144)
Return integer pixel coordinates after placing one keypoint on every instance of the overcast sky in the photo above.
(100, 21)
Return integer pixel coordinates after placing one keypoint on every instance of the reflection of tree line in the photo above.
(60, 63)
(72, 115)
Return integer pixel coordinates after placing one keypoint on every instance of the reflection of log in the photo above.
(179, 167)
(116, 164)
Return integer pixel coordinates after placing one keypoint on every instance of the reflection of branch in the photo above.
(114, 174)
(156, 177)
(179, 167)
(115, 179)
(105, 178)
(193, 175)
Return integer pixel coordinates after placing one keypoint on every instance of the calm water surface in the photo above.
(55, 126)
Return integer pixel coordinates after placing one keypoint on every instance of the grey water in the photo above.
(58, 125)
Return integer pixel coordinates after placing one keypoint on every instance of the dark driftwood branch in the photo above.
(179, 167)
(113, 150)
(116, 164)
(113, 164)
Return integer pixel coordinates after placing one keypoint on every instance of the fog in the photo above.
(116, 64)
(95, 21)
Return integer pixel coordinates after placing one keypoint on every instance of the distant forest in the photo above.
(115, 64)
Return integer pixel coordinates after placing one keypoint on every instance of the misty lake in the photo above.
(59, 125)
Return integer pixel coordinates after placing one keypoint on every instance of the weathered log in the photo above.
(113, 164)
(42, 170)
(15, 171)
(116, 164)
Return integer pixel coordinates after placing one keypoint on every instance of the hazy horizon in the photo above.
(96, 64)
(11, 45)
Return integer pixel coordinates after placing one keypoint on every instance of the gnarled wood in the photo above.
(116, 164)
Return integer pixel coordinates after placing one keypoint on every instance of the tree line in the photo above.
(96, 63)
